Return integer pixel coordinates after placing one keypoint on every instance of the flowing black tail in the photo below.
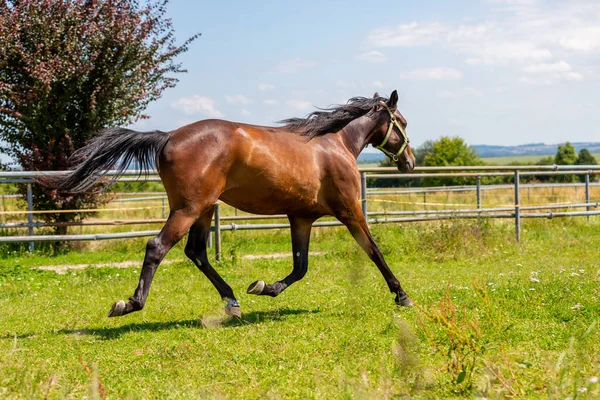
(112, 149)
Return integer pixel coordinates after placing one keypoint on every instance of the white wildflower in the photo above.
(577, 307)
(574, 274)
(593, 379)
(534, 279)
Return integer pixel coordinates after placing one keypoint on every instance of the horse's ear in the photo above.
(393, 101)
(376, 95)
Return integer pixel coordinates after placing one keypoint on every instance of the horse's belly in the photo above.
(269, 201)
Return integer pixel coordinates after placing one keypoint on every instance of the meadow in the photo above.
(493, 318)
(509, 160)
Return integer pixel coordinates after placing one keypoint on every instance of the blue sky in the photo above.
(502, 72)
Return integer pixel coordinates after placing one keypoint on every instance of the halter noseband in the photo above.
(393, 121)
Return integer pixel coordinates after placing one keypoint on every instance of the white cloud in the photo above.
(408, 35)
(238, 99)
(550, 73)
(525, 32)
(372, 56)
(300, 104)
(197, 104)
(292, 66)
(271, 102)
(559, 67)
(245, 112)
(263, 87)
(378, 84)
(581, 39)
(438, 73)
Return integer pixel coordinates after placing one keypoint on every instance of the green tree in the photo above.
(421, 152)
(71, 68)
(585, 158)
(451, 151)
(565, 155)
(548, 160)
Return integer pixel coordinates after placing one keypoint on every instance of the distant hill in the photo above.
(486, 151)
(532, 149)
(370, 158)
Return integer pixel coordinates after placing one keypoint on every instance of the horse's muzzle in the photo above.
(406, 165)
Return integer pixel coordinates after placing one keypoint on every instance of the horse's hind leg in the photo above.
(176, 227)
(195, 249)
(300, 228)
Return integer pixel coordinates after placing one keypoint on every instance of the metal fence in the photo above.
(516, 211)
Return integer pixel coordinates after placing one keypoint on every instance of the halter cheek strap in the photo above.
(393, 122)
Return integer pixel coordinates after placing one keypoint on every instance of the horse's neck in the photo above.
(356, 134)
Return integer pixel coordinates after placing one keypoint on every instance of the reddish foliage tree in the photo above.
(69, 68)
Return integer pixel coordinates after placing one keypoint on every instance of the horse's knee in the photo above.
(154, 249)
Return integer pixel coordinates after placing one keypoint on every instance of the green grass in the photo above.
(494, 318)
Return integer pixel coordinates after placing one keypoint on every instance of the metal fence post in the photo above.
(587, 193)
(478, 192)
(30, 215)
(363, 194)
(218, 232)
(517, 207)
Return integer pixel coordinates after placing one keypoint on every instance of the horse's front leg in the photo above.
(300, 228)
(357, 225)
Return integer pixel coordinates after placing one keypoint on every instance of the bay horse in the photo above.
(306, 169)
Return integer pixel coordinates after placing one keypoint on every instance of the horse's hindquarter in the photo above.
(274, 172)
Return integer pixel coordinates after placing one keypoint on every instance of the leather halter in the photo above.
(393, 122)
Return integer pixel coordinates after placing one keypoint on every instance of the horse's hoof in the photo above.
(256, 287)
(234, 311)
(117, 309)
(404, 301)
(233, 308)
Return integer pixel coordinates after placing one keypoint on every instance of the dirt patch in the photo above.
(63, 269)
(277, 255)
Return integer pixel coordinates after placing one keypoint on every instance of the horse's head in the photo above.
(390, 134)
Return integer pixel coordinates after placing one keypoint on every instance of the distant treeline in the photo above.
(454, 151)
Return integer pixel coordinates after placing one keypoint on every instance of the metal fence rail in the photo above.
(516, 211)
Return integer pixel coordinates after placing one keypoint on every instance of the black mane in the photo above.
(332, 119)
